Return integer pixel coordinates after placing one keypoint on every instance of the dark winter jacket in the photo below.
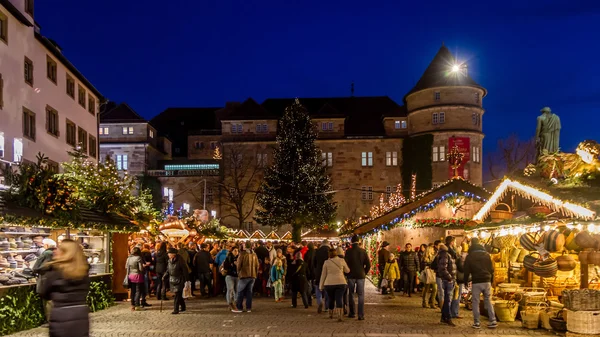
(178, 273)
(460, 269)
(321, 255)
(309, 258)
(261, 252)
(69, 314)
(358, 262)
(298, 276)
(162, 259)
(202, 262)
(383, 256)
(409, 262)
(478, 265)
(40, 266)
(192, 253)
(445, 268)
(230, 265)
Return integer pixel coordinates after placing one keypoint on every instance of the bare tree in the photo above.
(243, 167)
(512, 154)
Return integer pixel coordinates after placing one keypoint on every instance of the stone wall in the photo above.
(448, 96)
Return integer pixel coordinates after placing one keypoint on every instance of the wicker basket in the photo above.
(558, 324)
(557, 286)
(506, 311)
(545, 316)
(530, 318)
(581, 299)
(499, 215)
(584, 322)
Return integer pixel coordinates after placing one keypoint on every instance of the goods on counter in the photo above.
(584, 322)
(529, 241)
(554, 241)
(585, 240)
(498, 215)
(581, 299)
(545, 268)
(506, 310)
(530, 260)
(566, 262)
(570, 242)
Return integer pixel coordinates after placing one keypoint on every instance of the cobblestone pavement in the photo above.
(401, 316)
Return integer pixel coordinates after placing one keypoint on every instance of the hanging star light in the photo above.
(455, 158)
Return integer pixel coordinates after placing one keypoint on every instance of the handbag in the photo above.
(384, 283)
(126, 280)
(187, 290)
(430, 276)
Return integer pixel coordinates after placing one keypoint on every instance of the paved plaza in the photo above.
(384, 317)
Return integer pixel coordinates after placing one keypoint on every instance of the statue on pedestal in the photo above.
(547, 133)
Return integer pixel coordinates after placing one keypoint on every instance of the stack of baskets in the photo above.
(583, 311)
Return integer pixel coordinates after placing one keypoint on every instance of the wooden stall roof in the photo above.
(453, 186)
(320, 233)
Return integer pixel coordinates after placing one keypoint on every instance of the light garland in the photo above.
(531, 193)
(413, 187)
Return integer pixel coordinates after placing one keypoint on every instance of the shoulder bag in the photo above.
(126, 280)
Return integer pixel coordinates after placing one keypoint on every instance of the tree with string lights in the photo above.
(296, 189)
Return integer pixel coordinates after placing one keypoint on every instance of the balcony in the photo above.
(184, 173)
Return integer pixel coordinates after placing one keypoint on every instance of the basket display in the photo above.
(530, 318)
(545, 316)
(530, 260)
(581, 299)
(506, 311)
(503, 242)
(546, 268)
(558, 324)
(554, 241)
(529, 241)
(556, 287)
(498, 215)
(566, 262)
(584, 322)
(585, 240)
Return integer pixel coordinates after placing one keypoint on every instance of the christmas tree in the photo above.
(296, 188)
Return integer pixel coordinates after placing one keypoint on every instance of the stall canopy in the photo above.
(320, 234)
(557, 208)
(426, 201)
(14, 215)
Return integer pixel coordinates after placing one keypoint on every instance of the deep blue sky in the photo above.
(156, 54)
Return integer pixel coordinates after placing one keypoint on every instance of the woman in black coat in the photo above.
(298, 280)
(162, 259)
(177, 272)
(66, 284)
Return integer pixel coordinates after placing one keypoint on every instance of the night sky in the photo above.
(157, 54)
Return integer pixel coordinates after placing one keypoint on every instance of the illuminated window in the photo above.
(391, 158)
(476, 156)
(261, 128)
(236, 128)
(121, 161)
(128, 130)
(367, 159)
(403, 124)
(17, 149)
(151, 133)
(327, 126)
(103, 131)
(438, 153)
(442, 153)
(184, 167)
(327, 159)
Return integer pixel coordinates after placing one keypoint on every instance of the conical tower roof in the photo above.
(439, 74)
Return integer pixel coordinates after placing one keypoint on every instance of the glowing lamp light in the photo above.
(579, 226)
(484, 235)
(475, 234)
(570, 226)
(503, 232)
(455, 68)
(546, 228)
(591, 228)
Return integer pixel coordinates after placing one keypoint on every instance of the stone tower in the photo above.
(447, 103)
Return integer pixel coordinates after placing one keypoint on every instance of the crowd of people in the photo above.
(241, 270)
(441, 271)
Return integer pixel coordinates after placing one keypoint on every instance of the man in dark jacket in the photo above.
(261, 251)
(203, 264)
(383, 256)
(177, 272)
(409, 265)
(479, 266)
(447, 273)
(192, 250)
(359, 264)
(321, 255)
(39, 268)
(162, 260)
(310, 270)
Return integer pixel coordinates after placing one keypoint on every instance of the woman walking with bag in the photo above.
(391, 273)
(299, 281)
(428, 279)
(135, 277)
(229, 268)
(334, 282)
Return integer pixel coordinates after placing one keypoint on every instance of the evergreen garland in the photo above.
(295, 189)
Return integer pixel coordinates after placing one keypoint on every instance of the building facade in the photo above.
(131, 141)
(46, 105)
(361, 139)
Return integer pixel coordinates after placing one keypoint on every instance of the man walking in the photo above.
(446, 271)
(409, 264)
(177, 273)
(479, 265)
(321, 255)
(383, 255)
(192, 250)
(247, 267)
(203, 265)
(359, 264)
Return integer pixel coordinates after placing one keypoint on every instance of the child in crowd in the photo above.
(276, 275)
(391, 273)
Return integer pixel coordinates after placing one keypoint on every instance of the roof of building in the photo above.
(439, 74)
(16, 12)
(248, 110)
(121, 113)
(363, 114)
(52, 46)
(425, 200)
(176, 123)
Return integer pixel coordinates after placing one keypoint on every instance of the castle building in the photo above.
(369, 144)
(47, 106)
